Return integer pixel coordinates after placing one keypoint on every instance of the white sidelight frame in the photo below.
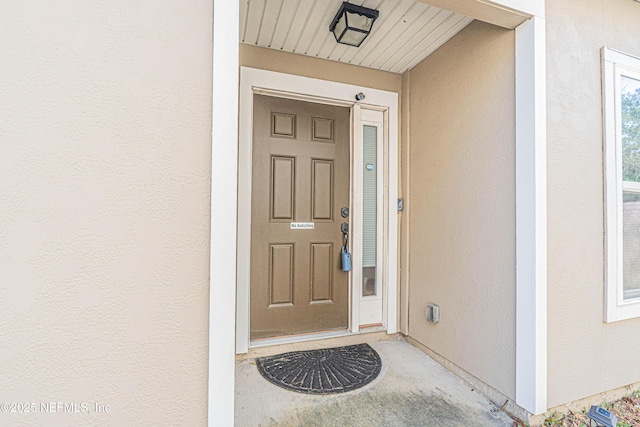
(531, 216)
(254, 81)
(372, 310)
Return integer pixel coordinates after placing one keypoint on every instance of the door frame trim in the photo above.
(252, 81)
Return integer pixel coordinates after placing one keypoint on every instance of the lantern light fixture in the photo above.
(352, 24)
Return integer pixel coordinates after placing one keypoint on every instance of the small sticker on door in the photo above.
(302, 225)
(369, 166)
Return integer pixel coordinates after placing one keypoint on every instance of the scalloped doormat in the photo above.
(326, 371)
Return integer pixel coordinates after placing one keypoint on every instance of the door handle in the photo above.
(344, 227)
(345, 256)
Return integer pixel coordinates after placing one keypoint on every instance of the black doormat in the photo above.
(327, 371)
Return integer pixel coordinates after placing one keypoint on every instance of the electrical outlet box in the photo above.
(433, 313)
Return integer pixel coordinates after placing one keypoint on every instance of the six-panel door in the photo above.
(300, 182)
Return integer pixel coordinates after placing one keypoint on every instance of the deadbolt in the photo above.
(344, 212)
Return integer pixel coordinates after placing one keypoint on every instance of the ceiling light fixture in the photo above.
(352, 24)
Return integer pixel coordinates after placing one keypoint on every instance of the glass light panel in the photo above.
(369, 210)
(353, 38)
(361, 22)
(630, 129)
(630, 115)
(631, 245)
(340, 26)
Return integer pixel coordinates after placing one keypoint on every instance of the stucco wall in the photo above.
(586, 356)
(104, 207)
(462, 203)
(284, 62)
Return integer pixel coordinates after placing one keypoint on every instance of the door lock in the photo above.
(344, 212)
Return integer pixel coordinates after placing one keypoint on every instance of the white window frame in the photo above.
(372, 310)
(615, 65)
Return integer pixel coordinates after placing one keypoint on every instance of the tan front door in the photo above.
(300, 183)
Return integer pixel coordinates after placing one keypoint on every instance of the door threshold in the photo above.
(327, 339)
(290, 339)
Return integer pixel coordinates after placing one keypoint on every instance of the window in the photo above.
(369, 210)
(369, 194)
(622, 184)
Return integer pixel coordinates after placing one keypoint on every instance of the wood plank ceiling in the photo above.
(405, 33)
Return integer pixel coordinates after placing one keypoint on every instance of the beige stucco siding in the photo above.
(284, 62)
(462, 203)
(586, 356)
(104, 205)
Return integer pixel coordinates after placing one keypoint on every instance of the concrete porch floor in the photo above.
(411, 390)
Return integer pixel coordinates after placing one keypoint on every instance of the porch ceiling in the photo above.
(405, 33)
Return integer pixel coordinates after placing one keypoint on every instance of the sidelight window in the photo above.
(369, 209)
